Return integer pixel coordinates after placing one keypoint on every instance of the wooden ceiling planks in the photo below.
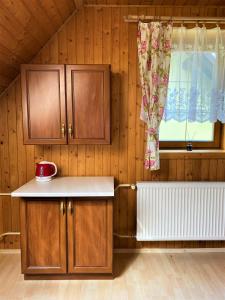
(25, 27)
(155, 2)
(79, 3)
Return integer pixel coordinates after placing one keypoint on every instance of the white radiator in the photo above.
(180, 211)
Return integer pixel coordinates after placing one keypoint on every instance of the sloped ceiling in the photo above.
(25, 27)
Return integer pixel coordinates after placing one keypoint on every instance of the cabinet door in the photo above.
(43, 95)
(90, 236)
(43, 236)
(88, 106)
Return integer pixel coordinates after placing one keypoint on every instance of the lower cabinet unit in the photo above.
(70, 238)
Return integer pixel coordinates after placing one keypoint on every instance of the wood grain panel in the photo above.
(99, 35)
(90, 236)
(44, 118)
(43, 236)
(88, 109)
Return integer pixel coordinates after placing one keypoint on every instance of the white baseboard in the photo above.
(10, 251)
(170, 250)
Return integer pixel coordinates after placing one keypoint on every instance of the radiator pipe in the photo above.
(126, 185)
(133, 187)
(3, 235)
(124, 236)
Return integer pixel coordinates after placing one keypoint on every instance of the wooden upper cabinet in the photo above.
(45, 95)
(44, 107)
(88, 104)
(43, 236)
(90, 234)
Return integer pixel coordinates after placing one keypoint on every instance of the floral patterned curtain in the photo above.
(154, 52)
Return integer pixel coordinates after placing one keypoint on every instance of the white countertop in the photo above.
(97, 186)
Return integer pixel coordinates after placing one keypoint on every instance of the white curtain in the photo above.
(196, 89)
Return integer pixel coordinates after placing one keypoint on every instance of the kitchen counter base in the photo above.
(67, 239)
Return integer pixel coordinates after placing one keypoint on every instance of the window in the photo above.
(174, 134)
(175, 129)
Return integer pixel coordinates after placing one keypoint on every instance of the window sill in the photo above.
(200, 154)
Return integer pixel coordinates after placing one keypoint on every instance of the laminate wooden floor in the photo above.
(139, 277)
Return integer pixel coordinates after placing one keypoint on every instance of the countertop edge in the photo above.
(41, 195)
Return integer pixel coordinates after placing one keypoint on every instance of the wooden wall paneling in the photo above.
(212, 11)
(132, 96)
(188, 164)
(164, 170)
(204, 170)
(13, 161)
(21, 148)
(106, 59)
(221, 170)
(30, 164)
(172, 170)
(196, 170)
(221, 11)
(89, 59)
(213, 169)
(1, 178)
(123, 134)
(180, 169)
(72, 59)
(98, 35)
(4, 153)
(115, 104)
(98, 43)
(80, 46)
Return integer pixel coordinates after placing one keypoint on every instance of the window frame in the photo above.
(215, 144)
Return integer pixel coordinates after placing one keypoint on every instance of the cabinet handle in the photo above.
(62, 207)
(63, 130)
(70, 208)
(70, 130)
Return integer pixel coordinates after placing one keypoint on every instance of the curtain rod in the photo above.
(134, 19)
